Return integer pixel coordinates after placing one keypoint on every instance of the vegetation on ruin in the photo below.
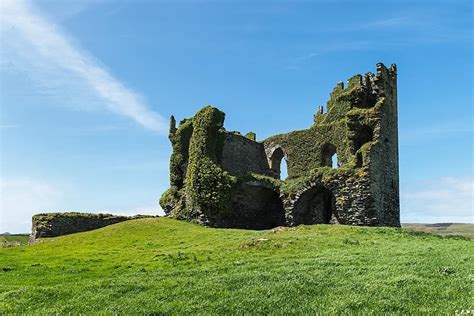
(205, 188)
(208, 187)
(165, 266)
(321, 175)
(180, 141)
(330, 128)
(45, 218)
(267, 181)
(251, 136)
(197, 148)
(201, 189)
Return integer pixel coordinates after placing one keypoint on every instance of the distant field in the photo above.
(13, 240)
(164, 266)
(444, 229)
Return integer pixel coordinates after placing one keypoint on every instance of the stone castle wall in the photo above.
(228, 180)
(241, 155)
(224, 179)
(57, 224)
(384, 169)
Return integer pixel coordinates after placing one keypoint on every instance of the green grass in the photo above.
(13, 240)
(444, 229)
(165, 266)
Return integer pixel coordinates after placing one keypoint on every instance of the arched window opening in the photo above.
(283, 169)
(328, 155)
(334, 163)
(276, 163)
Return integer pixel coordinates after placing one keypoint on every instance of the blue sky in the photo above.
(87, 88)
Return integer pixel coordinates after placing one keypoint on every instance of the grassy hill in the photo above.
(166, 266)
(444, 229)
(13, 240)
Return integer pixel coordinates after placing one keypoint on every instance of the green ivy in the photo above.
(180, 142)
(304, 147)
(201, 188)
(208, 187)
(251, 136)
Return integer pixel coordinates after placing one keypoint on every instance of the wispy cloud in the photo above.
(9, 126)
(388, 23)
(142, 210)
(437, 131)
(298, 61)
(412, 29)
(143, 165)
(305, 57)
(101, 129)
(32, 38)
(383, 32)
(449, 199)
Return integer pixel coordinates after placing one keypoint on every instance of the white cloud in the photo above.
(446, 199)
(9, 126)
(437, 131)
(393, 22)
(142, 210)
(21, 198)
(35, 46)
(295, 63)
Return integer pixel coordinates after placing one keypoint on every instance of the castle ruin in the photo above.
(224, 179)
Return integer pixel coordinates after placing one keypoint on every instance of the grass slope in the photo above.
(444, 229)
(166, 266)
(13, 240)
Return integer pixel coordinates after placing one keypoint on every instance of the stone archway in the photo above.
(316, 205)
(328, 153)
(256, 206)
(275, 162)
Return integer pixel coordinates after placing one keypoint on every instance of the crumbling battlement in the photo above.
(224, 179)
(58, 224)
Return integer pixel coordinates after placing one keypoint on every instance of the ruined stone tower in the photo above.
(224, 179)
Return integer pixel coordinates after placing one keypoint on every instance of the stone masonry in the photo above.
(225, 179)
(58, 224)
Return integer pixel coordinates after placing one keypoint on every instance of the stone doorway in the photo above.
(315, 206)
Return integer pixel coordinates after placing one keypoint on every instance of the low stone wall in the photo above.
(58, 224)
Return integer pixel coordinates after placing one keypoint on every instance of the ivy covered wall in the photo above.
(224, 179)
